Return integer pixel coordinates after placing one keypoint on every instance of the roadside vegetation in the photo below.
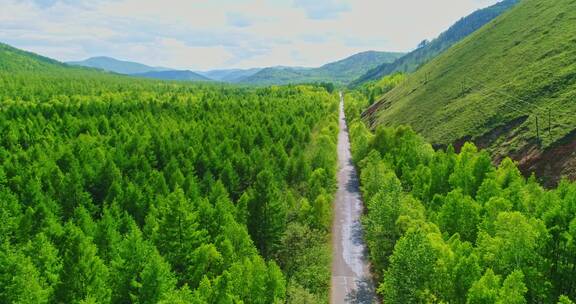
(446, 227)
(373, 90)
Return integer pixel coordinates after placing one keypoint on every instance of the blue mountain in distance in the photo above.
(230, 75)
(117, 66)
(338, 72)
(182, 75)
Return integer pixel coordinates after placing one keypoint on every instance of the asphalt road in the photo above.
(351, 279)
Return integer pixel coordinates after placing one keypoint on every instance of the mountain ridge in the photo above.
(229, 75)
(458, 31)
(339, 72)
(509, 87)
(180, 75)
(116, 65)
(12, 58)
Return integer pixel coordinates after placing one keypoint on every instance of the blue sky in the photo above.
(208, 34)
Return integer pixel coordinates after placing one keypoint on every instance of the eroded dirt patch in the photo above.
(552, 163)
(549, 164)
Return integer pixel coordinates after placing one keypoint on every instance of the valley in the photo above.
(351, 277)
(340, 72)
(444, 173)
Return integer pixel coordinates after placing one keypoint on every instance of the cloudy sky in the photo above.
(207, 34)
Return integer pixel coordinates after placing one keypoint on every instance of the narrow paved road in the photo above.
(351, 280)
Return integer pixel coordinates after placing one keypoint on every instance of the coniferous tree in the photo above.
(139, 274)
(84, 276)
(176, 230)
(267, 214)
(20, 281)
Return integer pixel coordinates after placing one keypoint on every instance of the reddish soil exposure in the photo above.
(551, 164)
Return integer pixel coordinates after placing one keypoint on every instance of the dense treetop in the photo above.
(446, 227)
(117, 190)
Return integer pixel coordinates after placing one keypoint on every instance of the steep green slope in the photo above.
(117, 66)
(26, 76)
(494, 85)
(12, 59)
(357, 64)
(184, 75)
(340, 72)
(454, 34)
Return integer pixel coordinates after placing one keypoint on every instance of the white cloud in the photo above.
(238, 20)
(202, 34)
(322, 9)
(205, 57)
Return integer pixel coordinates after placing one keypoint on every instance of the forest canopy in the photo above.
(116, 190)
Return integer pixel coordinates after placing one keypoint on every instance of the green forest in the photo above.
(116, 190)
(447, 227)
(305, 152)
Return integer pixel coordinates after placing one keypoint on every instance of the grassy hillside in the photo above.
(340, 72)
(357, 64)
(12, 59)
(454, 34)
(493, 86)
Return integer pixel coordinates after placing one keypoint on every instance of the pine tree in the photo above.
(178, 232)
(84, 276)
(20, 281)
(267, 214)
(139, 274)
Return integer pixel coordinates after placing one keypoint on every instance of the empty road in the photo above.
(351, 280)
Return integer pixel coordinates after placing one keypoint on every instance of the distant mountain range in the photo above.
(339, 72)
(140, 70)
(117, 66)
(354, 70)
(183, 75)
(460, 30)
(231, 75)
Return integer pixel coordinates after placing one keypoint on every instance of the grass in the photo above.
(522, 63)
